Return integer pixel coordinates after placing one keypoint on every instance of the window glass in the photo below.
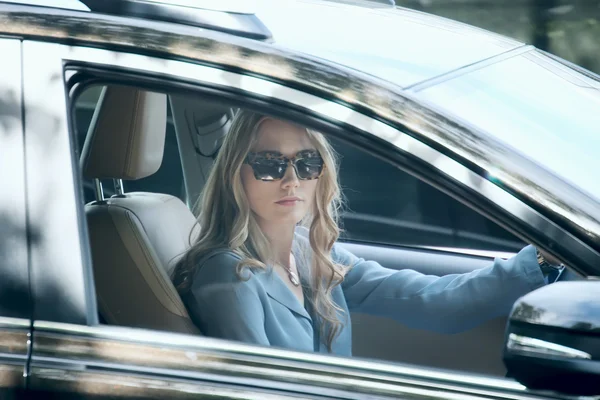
(386, 205)
(540, 108)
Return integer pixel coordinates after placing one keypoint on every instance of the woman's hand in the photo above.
(549, 258)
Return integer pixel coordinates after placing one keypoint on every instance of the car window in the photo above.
(383, 205)
(169, 177)
(386, 205)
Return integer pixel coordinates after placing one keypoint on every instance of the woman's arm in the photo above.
(225, 307)
(447, 304)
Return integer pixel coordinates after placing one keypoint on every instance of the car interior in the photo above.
(144, 158)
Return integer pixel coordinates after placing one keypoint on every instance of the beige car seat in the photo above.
(135, 237)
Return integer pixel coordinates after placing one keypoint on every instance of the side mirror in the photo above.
(553, 339)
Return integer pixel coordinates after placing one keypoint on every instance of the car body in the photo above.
(420, 109)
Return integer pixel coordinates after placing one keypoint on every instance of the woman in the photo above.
(265, 268)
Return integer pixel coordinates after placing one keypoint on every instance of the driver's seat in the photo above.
(135, 237)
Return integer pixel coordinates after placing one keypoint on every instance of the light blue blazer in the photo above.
(262, 310)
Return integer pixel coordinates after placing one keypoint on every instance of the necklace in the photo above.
(292, 276)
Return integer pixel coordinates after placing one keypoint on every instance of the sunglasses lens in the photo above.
(269, 170)
(309, 168)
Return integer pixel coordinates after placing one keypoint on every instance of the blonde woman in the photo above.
(266, 269)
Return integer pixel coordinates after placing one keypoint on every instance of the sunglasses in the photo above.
(271, 165)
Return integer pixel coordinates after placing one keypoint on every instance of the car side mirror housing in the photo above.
(553, 339)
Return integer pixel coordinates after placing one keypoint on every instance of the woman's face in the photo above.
(285, 201)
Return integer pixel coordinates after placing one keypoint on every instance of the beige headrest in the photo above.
(126, 138)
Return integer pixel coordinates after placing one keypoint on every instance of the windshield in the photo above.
(541, 108)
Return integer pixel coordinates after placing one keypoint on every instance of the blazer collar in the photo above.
(278, 291)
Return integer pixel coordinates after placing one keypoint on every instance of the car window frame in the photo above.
(417, 157)
(16, 234)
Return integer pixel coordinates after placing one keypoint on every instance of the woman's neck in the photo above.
(281, 239)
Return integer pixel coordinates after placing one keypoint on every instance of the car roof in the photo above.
(399, 45)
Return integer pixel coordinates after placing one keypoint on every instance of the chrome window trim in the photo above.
(470, 252)
(15, 344)
(14, 323)
(119, 349)
(328, 110)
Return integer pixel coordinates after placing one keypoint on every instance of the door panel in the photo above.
(110, 362)
(477, 350)
(14, 347)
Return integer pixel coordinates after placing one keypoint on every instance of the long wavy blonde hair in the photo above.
(226, 221)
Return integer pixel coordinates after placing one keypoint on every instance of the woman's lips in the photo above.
(289, 201)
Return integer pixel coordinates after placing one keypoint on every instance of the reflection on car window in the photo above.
(387, 205)
(547, 113)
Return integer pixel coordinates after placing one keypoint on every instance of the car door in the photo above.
(73, 354)
(15, 235)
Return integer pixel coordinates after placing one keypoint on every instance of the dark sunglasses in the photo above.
(271, 165)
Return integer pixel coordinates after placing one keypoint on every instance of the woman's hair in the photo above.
(226, 221)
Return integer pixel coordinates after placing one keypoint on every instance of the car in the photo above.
(456, 146)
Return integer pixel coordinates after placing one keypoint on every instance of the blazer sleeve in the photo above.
(447, 304)
(225, 306)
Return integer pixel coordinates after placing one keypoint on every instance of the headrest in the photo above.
(126, 138)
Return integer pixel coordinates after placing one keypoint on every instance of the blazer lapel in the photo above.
(278, 291)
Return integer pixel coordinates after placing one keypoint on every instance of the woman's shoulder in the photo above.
(218, 265)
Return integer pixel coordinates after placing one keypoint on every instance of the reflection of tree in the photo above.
(527, 312)
(540, 21)
(567, 28)
(9, 109)
(14, 287)
(585, 327)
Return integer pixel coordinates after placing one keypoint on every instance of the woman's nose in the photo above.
(290, 179)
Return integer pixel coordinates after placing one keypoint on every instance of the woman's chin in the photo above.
(291, 218)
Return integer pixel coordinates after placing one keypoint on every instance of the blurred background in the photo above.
(568, 28)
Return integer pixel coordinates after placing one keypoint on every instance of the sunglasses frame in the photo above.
(269, 155)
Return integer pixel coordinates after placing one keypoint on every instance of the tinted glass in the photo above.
(386, 205)
(540, 108)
